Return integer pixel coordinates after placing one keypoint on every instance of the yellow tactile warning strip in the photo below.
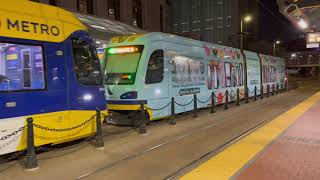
(228, 162)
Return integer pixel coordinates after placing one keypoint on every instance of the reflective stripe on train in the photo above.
(155, 67)
(49, 70)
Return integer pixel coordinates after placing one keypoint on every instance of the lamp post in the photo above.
(246, 19)
(275, 43)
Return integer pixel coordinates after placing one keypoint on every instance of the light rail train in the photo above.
(49, 71)
(152, 68)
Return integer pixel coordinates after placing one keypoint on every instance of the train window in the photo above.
(155, 69)
(121, 67)
(235, 76)
(266, 77)
(215, 77)
(212, 77)
(209, 76)
(274, 74)
(271, 74)
(227, 67)
(21, 67)
(240, 74)
(266, 74)
(86, 63)
(234, 69)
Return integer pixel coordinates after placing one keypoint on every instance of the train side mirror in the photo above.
(105, 78)
(4, 78)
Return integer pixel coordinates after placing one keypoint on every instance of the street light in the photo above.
(245, 19)
(302, 24)
(275, 43)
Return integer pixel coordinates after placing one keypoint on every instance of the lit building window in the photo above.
(114, 9)
(85, 6)
(137, 13)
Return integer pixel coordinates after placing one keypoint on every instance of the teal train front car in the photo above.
(153, 68)
(123, 83)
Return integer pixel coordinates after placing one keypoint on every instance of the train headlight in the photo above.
(87, 97)
(158, 91)
(126, 76)
(129, 95)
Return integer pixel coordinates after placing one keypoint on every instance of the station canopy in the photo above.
(103, 29)
(308, 8)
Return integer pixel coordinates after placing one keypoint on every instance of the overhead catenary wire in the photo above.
(270, 12)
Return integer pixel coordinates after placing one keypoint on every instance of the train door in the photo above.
(86, 91)
(156, 85)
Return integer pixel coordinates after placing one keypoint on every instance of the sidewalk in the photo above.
(295, 155)
(286, 148)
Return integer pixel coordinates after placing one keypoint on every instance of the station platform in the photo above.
(286, 148)
(276, 137)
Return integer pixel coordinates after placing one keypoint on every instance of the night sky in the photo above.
(271, 27)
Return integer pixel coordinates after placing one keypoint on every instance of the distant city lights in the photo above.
(313, 37)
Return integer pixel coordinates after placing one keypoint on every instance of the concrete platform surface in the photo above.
(285, 148)
(294, 155)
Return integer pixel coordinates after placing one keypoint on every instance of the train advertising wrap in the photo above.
(253, 68)
(187, 75)
(188, 69)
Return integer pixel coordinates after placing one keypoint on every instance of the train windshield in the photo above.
(122, 64)
(86, 63)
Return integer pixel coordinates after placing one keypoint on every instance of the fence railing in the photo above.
(227, 97)
(31, 162)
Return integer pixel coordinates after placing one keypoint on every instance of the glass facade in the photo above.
(103, 29)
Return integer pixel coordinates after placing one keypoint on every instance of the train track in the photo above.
(203, 157)
(173, 140)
